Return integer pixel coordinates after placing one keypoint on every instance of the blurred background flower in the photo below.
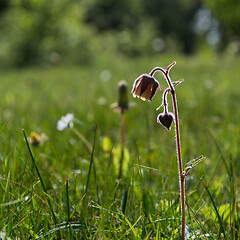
(36, 139)
(65, 122)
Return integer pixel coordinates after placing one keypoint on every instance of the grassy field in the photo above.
(70, 202)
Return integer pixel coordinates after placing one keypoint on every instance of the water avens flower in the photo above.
(166, 119)
(65, 122)
(145, 87)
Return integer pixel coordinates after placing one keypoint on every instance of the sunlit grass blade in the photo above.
(75, 226)
(4, 125)
(131, 228)
(146, 167)
(40, 177)
(14, 202)
(6, 188)
(215, 208)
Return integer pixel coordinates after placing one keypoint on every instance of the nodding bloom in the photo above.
(65, 122)
(166, 119)
(145, 87)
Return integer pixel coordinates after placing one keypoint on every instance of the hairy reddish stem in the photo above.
(178, 143)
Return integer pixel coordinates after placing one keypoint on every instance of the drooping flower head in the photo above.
(165, 119)
(145, 87)
(65, 122)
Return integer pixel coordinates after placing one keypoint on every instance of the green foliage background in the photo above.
(52, 32)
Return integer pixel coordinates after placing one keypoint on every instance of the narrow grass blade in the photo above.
(68, 210)
(14, 202)
(40, 177)
(221, 154)
(91, 162)
(125, 198)
(6, 188)
(233, 202)
(131, 228)
(67, 199)
(215, 208)
(4, 125)
(76, 227)
(196, 220)
(146, 167)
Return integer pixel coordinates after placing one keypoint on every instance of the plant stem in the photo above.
(181, 176)
(122, 123)
(178, 143)
(84, 140)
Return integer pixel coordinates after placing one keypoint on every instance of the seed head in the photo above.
(123, 95)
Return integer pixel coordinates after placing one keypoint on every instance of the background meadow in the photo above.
(36, 98)
(80, 202)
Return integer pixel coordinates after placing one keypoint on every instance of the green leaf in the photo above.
(189, 165)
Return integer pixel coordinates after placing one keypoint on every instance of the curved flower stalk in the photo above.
(145, 88)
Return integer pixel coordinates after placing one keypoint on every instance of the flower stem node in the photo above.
(166, 119)
(145, 87)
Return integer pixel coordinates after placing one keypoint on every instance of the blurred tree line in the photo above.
(43, 31)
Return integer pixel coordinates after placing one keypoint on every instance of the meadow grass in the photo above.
(92, 203)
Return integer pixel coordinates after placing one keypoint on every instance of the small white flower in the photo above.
(65, 122)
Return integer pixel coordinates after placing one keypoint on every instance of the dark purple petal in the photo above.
(154, 88)
(146, 81)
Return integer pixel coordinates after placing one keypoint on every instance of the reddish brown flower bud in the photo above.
(145, 87)
(165, 119)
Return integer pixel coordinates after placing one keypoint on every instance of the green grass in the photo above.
(145, 203)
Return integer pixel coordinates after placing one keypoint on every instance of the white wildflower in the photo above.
(65, 122)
